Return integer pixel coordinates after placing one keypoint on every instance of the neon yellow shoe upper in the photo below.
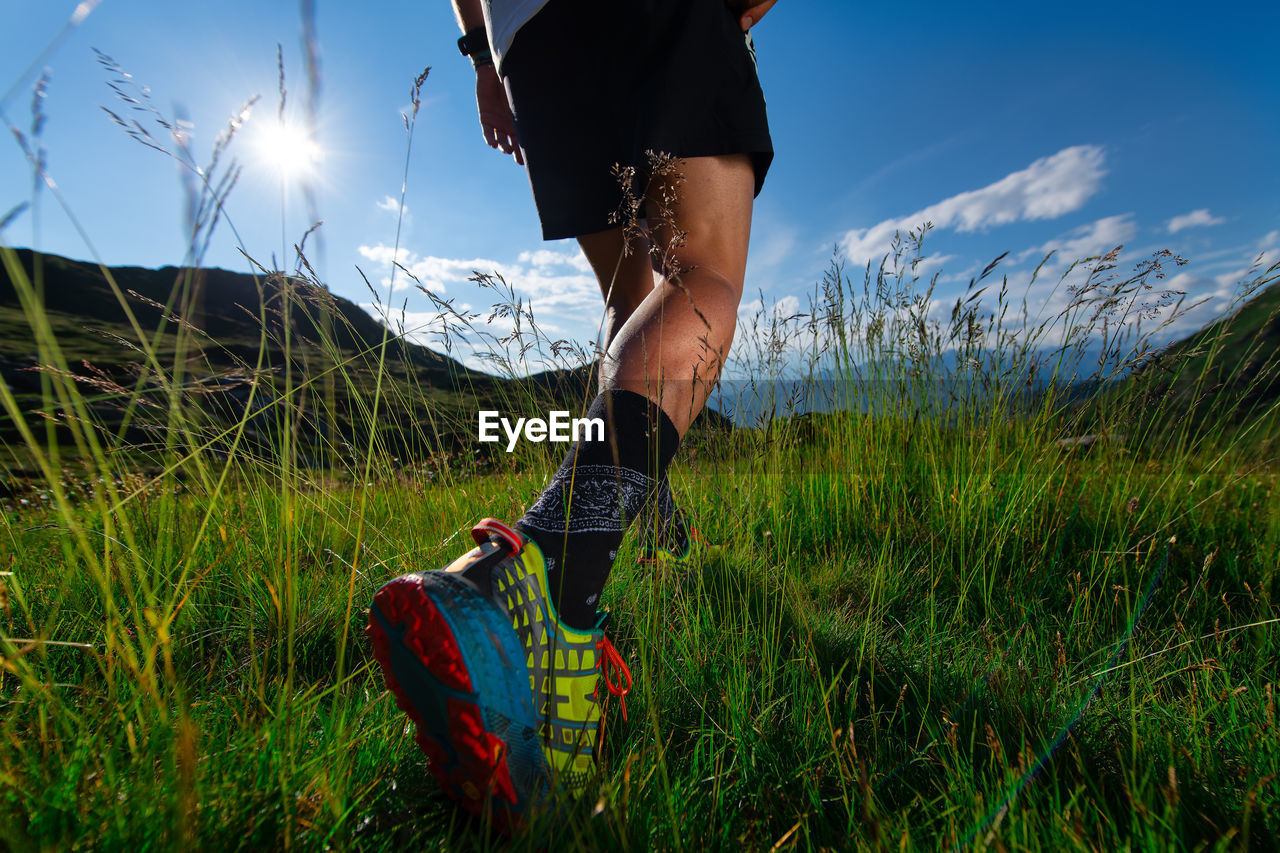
(564, 663)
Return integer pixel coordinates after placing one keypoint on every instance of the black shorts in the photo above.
(594, 83)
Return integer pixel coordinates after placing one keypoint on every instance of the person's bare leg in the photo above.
(625, 275)
(668, 352)
(673, 345)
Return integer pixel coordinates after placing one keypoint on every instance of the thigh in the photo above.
(624, 270)
(703, 207)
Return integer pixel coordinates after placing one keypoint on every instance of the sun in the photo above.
(288, 149)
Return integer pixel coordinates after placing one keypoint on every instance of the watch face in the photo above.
(473, 42)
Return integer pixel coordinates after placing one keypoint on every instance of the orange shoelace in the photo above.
(613, 664)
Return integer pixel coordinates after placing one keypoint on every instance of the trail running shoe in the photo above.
(467, 652)
(673, 544)
(456, 668)
(564, 664)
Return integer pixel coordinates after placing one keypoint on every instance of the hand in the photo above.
(496, 123)
(750, 12)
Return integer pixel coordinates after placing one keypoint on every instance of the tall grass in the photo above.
(929, 622)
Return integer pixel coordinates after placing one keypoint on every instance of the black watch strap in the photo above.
(475, 44)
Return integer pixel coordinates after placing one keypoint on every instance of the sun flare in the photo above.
(289, 149)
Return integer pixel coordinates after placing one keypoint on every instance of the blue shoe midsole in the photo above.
(495, 662)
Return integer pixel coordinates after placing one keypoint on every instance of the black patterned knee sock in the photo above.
(579, 520)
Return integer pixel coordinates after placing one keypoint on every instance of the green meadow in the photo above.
(983, 606)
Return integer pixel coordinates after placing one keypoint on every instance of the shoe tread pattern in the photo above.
(455, 667)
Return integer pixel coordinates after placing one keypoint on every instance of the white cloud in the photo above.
(771, 337)
(1258, 263)
(1209, 298)
(465, 334)
(1048, 188)
(1194, 219)
(787, 306)
(470, 337)
(427, 328)
(431, 272)
(1219, 293)
(556, 288)
(1057, 296)
(1087, 241)
(963, 275)
(391, 204)
(1204, 300)
(546, 258)
(546, 284)
(929, 263)
(384, 255)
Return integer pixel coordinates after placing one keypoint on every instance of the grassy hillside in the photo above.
(1230, 368)
(271, 353)
(915, 631)
(910, 638)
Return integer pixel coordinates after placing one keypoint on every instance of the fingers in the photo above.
(510, 145)
(752, 15)
(496, 122)
(503, 141)
(501, 135)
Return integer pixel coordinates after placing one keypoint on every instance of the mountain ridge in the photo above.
(235, 359)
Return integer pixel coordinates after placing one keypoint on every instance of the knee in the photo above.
(710, 278)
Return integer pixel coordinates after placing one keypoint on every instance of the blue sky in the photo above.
(1012, 126)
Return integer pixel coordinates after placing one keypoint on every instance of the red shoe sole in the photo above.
(469, 761)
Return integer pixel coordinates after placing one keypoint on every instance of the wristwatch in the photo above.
(475, 44)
